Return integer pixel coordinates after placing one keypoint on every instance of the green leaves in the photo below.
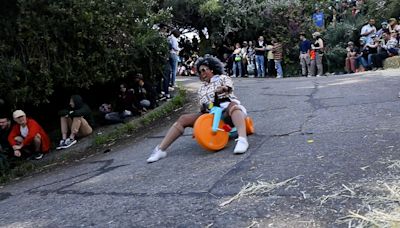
(75, 44)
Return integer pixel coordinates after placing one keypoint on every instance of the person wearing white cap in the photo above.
(28, 137)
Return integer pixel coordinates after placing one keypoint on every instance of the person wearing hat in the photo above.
(27, 137)
(362, 56)
(384, 27)
(350, 62)
(318, 47)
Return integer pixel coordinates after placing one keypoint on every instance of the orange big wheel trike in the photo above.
(212, 133)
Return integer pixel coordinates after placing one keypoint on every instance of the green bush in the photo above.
(75, 44)
(336, 39)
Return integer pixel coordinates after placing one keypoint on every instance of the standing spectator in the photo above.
(5, 129)
(27, 137)
(260, 52)
(77, 119)
(251, 59)
(237, 60)
(305, 46)
(174, 54)
(166, 71)
(369, 30)
(318, 18)
(318, 47)
(244, 58)
(270, 61)
(277, 50)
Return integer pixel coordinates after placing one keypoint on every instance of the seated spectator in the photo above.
(76, 119)
(125, 106)
(387, 48)
(384, 27)
(362, 56)
(145, 95)
(372, 49)
(27, 138)
(182, 71)
(352, 51)
(125, 103)
(393, 26)
(5, 129)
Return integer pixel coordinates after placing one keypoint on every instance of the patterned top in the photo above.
(277, 51)
(206, 92)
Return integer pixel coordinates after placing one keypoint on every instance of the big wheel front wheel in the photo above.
(205, 137)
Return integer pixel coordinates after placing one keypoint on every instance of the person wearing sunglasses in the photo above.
(215, 82)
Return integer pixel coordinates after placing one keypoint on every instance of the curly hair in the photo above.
(211, 62)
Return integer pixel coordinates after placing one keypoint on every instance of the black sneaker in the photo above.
(69, 142)
(38, 156)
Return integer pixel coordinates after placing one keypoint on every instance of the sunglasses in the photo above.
(203, 70)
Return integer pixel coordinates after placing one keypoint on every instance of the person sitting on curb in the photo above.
(5, 129)
(124, 106)
(145, 94)
(77, 119)
(211, 72)
(27, 137)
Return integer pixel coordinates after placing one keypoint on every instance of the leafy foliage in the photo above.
(75, 44)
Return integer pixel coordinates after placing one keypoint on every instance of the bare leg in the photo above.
(64, 126)
(176, 130)
(238, 117)
(37, 142)
(76, 125)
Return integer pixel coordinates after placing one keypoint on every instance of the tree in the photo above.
(75, 44)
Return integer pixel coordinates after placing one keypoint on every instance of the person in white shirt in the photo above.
(369, 30)
(174, 54)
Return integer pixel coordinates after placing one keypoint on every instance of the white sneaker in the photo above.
(241, 146)
(156, 155)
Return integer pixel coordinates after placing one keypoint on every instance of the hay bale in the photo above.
(392, 62)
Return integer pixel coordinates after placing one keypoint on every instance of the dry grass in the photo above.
(383, 210)
(339, 194)
(260, 187)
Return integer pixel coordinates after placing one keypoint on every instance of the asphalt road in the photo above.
(331, 139)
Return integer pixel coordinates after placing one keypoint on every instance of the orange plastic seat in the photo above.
(205, 137)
